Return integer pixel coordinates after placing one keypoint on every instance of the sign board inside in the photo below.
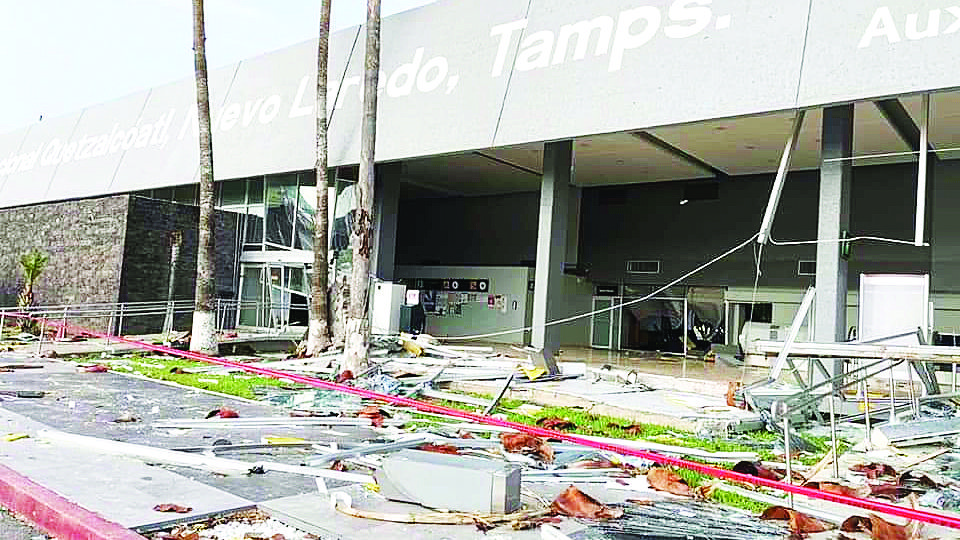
(447, 284)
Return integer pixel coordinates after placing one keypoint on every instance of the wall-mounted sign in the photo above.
(606, 290)
(447, 284)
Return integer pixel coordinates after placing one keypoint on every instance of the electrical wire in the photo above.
(758, 259)
(696, 270)
(845, 241)
(890, 154)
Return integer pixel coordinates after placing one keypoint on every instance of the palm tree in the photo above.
(32, 263)
(318, 337)
(203, 336)
(357, 331)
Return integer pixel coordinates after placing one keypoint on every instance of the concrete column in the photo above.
(386, 206)
(573, 226)
(830, 315)
(551, 248)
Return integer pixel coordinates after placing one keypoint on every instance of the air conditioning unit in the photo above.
(643, 267)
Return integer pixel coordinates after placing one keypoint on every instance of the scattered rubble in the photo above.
(444, 465)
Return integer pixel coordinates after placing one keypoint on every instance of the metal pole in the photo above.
(43, 327)
(686, 329)
(954, 389)
(922, 170)
(866, 413)
(911, 392)
(726, 322)
(63, 325)
(109, 328)
(120, 322)
(833, 434)
(785, 159)
(893, 399)
(3, 314)
(786, 448)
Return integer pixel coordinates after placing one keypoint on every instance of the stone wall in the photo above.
(84, 241)
(110, 250)
(146, 259)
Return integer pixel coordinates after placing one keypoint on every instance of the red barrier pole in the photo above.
(876, 506)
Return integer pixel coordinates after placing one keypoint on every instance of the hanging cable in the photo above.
(844, 241)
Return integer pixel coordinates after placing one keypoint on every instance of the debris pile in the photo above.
(441, 470)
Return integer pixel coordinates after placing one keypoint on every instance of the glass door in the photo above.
(252, 310)
(601, 324)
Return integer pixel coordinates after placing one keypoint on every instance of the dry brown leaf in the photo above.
(856, 524)
(755, 468)
(180, 534)
(889, 491)
(167, 507)
(799, 523)
(96, 368)
(884, 530)
(343, 377)
(874, 470)
(439, 448)
(556, 424)
(593, 464)
(575, 503)
(836, 489)
(662, 479)
(374, 413)
(523, 443)
(482, 525)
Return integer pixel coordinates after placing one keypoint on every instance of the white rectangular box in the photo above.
(385, 308)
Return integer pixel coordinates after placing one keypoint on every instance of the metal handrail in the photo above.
(227, 311)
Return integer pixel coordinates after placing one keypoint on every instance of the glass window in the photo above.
(255, 190)
(281, 208)
(254, 228)
(296, 281)
(186, 194)
(305, 215)
(308, 178)
(233, 192)
(164, 194)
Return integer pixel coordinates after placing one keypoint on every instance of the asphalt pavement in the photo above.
(11, 528)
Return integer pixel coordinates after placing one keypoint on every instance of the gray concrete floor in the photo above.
(11, 528)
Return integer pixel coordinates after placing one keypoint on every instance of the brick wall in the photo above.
(84, 240)
(109, 250)
(146, 258)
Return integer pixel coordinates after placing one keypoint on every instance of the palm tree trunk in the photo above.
(203, 337)
(358, 329)
(318, 337)
(176, 239)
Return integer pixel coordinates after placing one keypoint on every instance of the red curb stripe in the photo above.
(54, 514)
(876, 506)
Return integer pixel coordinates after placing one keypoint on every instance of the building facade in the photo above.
(601, 150)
